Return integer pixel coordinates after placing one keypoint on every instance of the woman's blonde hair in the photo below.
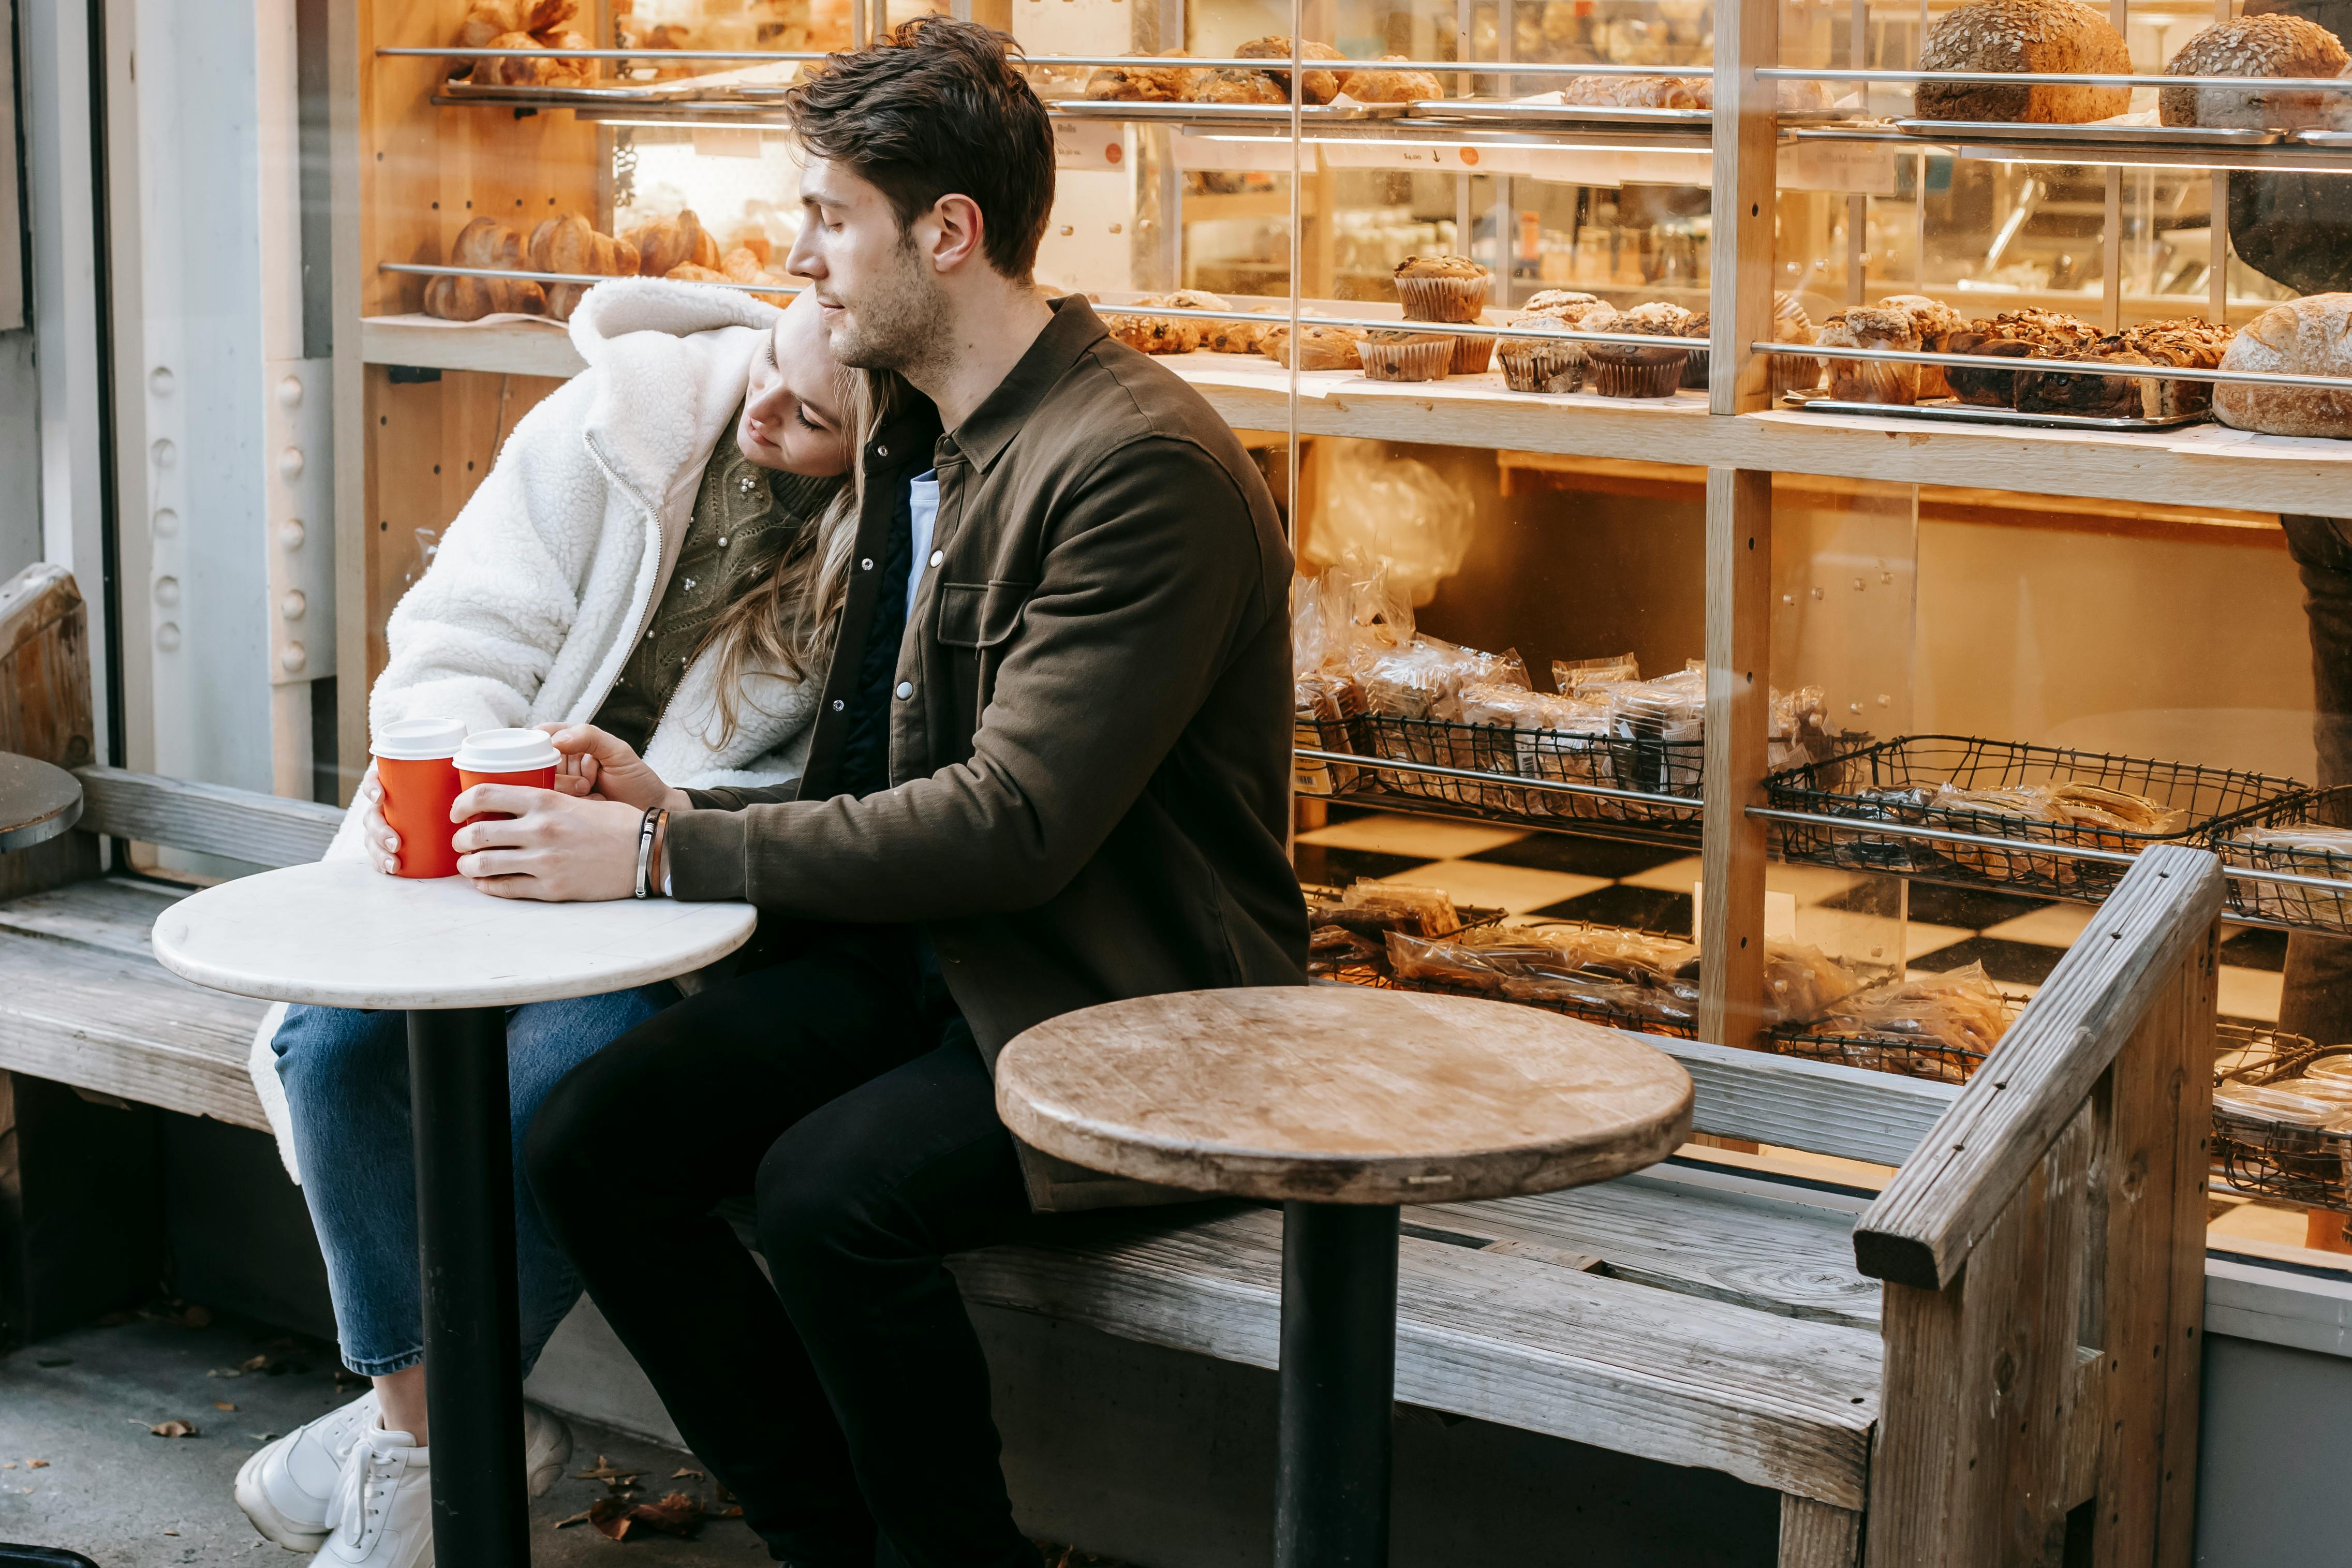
(784, 627)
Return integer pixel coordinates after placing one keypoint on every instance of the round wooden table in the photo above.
(339, 935)
(38, 802)
(1341, 1103)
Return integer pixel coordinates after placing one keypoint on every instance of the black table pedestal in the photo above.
(473, 1339)
(1337, 1382)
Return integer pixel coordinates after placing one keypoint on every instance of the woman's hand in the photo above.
(382, 843)
(604, 766)
(559, 847)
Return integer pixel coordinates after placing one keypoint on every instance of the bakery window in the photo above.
(1947, 402)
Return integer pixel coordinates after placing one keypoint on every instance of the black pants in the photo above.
(2317, 999)
(847, 1406)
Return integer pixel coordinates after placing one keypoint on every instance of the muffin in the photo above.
(1792, 372)
(1442, 288)
(1871, 380)
(1632, 370)
(1695, 367)
(1541, 361)
(1407, 356)
(1578, 312)
(1936, 322)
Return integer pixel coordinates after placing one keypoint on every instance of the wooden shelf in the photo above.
(2202, 466)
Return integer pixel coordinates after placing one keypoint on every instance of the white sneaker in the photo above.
(384, 1504)
(287, 1489)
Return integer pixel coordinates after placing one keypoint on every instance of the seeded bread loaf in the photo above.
(2310, 336)
(2255, 46)
(2052, 36)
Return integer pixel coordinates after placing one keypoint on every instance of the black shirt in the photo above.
(865, 766)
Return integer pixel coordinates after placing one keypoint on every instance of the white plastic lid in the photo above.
(507, 752)
(419, 740)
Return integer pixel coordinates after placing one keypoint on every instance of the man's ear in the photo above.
(957, 230)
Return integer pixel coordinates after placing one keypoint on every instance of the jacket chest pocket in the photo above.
(977, 617)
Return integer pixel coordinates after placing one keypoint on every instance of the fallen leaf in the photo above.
(174, 1428)
(223, 1404)
(682, 1474)
(196, 1318)
(48, 1360)
(36, 1464)
(610, 1516)
(675, 1514)
(226, 1371)
(614, 1478)
(724, 1495)
(8, 1466)
(252, 1363)
(171, 1532)
(580, 1518)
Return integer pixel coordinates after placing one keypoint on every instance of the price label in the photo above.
(1078, 145)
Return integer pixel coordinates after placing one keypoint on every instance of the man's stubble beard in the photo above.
(900, 321)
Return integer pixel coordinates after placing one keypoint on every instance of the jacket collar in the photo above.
(1074, 330)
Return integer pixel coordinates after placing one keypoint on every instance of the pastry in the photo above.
(536, 72)
(1233, 337)
(1442, 288)
(1578, 312)
(568, 244)
(666, 242)
(1538, 361)
(2012, 334)
(2051, 36)
(1632, 370)
(1320, 347)
(695, 273)
(1936, 322)
(2310, 336)
(1374, 85)
(1155, 335)
(2276, 44)
(1790, 325)
(1142, 83)
(1697, 360)
(2189, 342)
(1871, 380)
(1232, 86)
(489, 18)
(1633, 92)
(1313, 86)
(1406, 356)
(484, 242)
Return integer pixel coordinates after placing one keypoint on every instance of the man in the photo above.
(1051, 769)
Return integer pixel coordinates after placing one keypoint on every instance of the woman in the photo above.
(661, 547)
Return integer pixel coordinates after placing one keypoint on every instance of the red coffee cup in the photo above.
(524, 757)
(415, 768)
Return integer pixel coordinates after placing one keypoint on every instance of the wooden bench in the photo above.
(1993, 1359)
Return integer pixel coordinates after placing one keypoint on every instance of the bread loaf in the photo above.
(2255, 46)
(484, 242)
(2311, 336)
(666, 242)
(1382, 84)
(1313, 86)
(1142, 82)
(568, 244)
(1936, 322)
(2053, 35)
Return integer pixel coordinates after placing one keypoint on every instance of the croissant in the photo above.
(568, 244)
(666, 242)
(485, 242)
(689, 273)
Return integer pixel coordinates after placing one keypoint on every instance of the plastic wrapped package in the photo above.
(1614, 974)
(1374, 907)
(1573, 676)
(1398, 511)
(1936, 1027)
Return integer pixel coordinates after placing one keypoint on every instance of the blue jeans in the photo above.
(346, 1077)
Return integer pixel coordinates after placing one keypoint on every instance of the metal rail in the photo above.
(2061, 366)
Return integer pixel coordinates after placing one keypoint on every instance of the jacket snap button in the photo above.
(906, 690)
(838, 705)
(937, 556)
(881, 451)
(867, 564)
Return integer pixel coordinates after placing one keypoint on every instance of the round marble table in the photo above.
(38, 802)
(1342, 1103)
(339, 935)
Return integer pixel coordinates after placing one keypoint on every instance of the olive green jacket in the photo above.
(1090, 753)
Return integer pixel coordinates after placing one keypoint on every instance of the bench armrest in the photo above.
(1980, 1152)
(212, 819)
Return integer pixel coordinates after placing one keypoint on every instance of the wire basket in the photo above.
(1649, 766)
(1913, 1056)
(2264, 1156)
(1674, 1028)
(2312, 907)
(1366, 952)
(1892, 782)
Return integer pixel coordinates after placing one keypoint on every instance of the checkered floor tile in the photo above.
(1544, 876)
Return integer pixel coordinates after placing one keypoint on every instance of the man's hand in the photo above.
(600, 765)
(559, 847)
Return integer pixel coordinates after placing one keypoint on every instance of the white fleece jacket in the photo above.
(550, 573)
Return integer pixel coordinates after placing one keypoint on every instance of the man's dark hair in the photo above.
(937, 109)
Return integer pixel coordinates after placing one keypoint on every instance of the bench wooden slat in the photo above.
(212, 819)
(1825, 1108)
(1920, 1231)
(1780, 1402)
(114, 914)
(1751, 1251)
(103, 1015)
